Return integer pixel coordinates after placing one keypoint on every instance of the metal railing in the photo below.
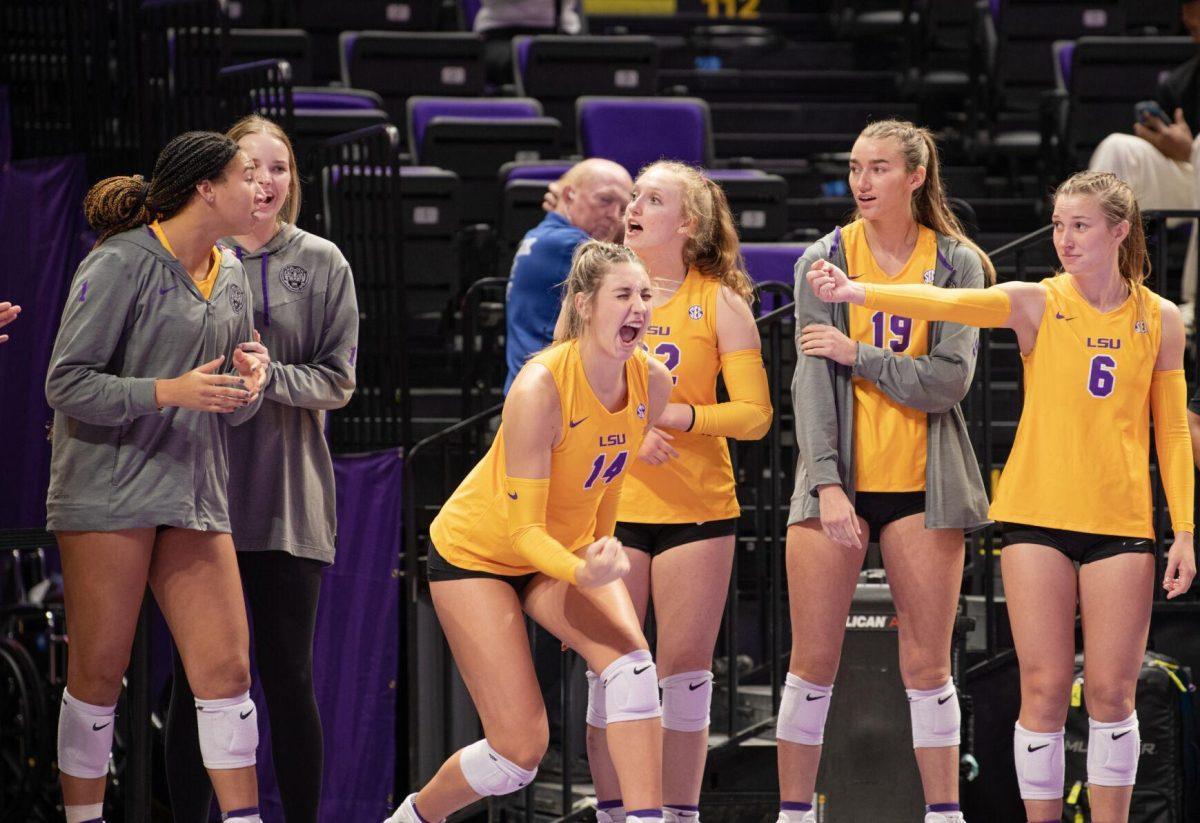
(359, 193)
(263, 87)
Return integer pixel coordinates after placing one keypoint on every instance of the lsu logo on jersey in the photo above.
(658, 331)
(611, 440)
(1112, 343)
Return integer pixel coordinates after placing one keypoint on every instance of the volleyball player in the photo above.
(140, 457)
(1102, 354)
(529, 531)
(8, 313)
(282, 506)
(884, 455)
(679, 510)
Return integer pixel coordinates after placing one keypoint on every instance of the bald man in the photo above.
(593, 197)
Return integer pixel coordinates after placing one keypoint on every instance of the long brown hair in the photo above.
(257, 124)
(591, 261)
(124, 202)
(713, 246)
(1116, 200)
(929, 206)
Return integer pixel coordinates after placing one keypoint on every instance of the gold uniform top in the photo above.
(1081, 460)
(889, 437)
(698, 485)
(472, 529)
(210, 280)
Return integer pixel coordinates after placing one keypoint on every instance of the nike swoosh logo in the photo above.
(1033, 748)
(575, 423)
(693, 686)
(639, 671)
(812, 697)
(1060, 316)
(512, 495)
(247, 714)
(161, 292)
(96, 728)
(1122, 734)
(942, 700)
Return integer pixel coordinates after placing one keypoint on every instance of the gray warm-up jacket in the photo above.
(935, 383)
(281, 486)
(134, 315)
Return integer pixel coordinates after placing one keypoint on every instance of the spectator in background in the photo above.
(8, 313)
(592, 199)
(500, 20)
(1160, 160)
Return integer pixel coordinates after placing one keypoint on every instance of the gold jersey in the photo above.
(1081, 460)
(471, 530)
(889, 437)
(698, 485)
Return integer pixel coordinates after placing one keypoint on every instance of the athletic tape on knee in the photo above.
(631, 688)
(490, 773)
(802, 711)
(1113, 751)
(85, 735)
(228, 730)
(1041, 763)
(936, 717)
(685, 701)
(595, 706)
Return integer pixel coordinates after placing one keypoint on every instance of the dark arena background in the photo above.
(425, 148)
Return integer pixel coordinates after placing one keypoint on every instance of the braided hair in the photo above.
(121, 203)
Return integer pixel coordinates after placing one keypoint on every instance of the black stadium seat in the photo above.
(293, 45)
(400, 65)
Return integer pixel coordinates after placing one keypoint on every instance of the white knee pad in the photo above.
(228, 732)
(1113, 751)
(685, 701)
(631, 688)
(936, 716)
(802, 711)
(1041, 763)
(595, 707)
(490, 773)
(85, 735)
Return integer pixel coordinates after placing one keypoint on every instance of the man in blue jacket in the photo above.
(591, 204)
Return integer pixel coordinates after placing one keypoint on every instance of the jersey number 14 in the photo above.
(611, 473)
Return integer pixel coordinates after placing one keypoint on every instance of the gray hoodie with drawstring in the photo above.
(281, 478)
(935, 383)
(133, 316)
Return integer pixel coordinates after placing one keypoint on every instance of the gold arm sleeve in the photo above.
(1168, 405)
(527, 529)
(747, 414)
(983, 308)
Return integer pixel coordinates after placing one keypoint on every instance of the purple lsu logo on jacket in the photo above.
(1104, 343)
(612, 440)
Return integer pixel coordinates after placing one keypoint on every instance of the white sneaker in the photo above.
(810, 816)
(944, 817)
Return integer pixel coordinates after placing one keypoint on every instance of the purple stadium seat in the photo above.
(1063, 52)
(323, 98)
(421, 110)
(734, 174)
(536, 170)
(767, 262)
(635, 131)
(470, 8)
(521, 46)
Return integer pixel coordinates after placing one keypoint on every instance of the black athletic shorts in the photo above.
(881, 508)
(1080, 547)
(656, 538)
(442, 569)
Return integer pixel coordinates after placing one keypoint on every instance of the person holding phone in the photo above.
(1159, 160)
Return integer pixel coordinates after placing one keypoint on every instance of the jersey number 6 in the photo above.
(1101, 380)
